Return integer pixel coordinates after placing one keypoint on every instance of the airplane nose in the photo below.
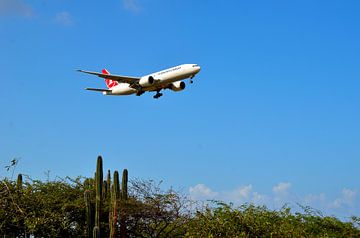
(198, 69)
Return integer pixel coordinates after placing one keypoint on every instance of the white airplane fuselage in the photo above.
(168, 78)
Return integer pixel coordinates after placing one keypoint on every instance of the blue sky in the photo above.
(272, 118)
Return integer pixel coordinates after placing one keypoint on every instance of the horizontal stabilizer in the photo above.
(98, 90)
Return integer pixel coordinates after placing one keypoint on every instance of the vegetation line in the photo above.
(93, 207)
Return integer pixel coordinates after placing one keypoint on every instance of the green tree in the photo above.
(43, 209)
(248, 220)
(152, 212)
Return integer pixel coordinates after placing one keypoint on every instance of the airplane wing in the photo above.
(98, 89)
(119, 78)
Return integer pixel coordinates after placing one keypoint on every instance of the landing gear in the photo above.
(157, 95)
(191, 77)
(139, 93)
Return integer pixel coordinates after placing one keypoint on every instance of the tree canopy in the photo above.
(57, 209)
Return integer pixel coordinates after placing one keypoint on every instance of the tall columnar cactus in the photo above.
(124, 197)
(112, 195)
(19, 182)
(96, 232)
(116, 184)
(108, 183)
(98, 185)
(20, 222)
(124, 189)
(89, 223)
(115, 195)
(104, 190)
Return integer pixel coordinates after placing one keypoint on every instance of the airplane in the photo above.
(166, 79)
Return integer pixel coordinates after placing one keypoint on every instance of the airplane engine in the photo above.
(177, 86)
(146, 81)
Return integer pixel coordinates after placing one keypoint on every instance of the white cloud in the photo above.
(349, 195)
(347, 198)
(131, 5)
(345, 205)
(64, 18)
(202, 192)
(245, 191)
(237, 195)
(244, 194)
(15, 7)
(315, 198)
(281, 188)
(281, 194)
(259, 199)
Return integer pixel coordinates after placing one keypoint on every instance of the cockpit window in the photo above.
(195, 65)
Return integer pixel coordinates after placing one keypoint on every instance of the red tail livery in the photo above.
(109, 83)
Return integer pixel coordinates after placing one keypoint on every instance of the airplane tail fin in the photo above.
(109, 83)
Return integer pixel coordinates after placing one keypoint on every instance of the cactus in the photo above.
(19, 196)
(89, 224)
(116, 184)
(115, 195)
(124, 197)
(112, 195)
(96, 232)
(108, 183)
(19, 182)
(111, 215)
(104, 190)
(124, 189)
(98, 183)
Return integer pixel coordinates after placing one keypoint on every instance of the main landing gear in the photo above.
(157, 95)
(139, 93)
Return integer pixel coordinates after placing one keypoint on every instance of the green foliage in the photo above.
(50, 209)
(57, 209)
(152, 212)
(70, 207)
(257, 221)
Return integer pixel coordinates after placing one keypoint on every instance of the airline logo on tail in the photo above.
(109, 83)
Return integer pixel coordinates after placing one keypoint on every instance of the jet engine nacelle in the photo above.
(177, 86)
(146, 81)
